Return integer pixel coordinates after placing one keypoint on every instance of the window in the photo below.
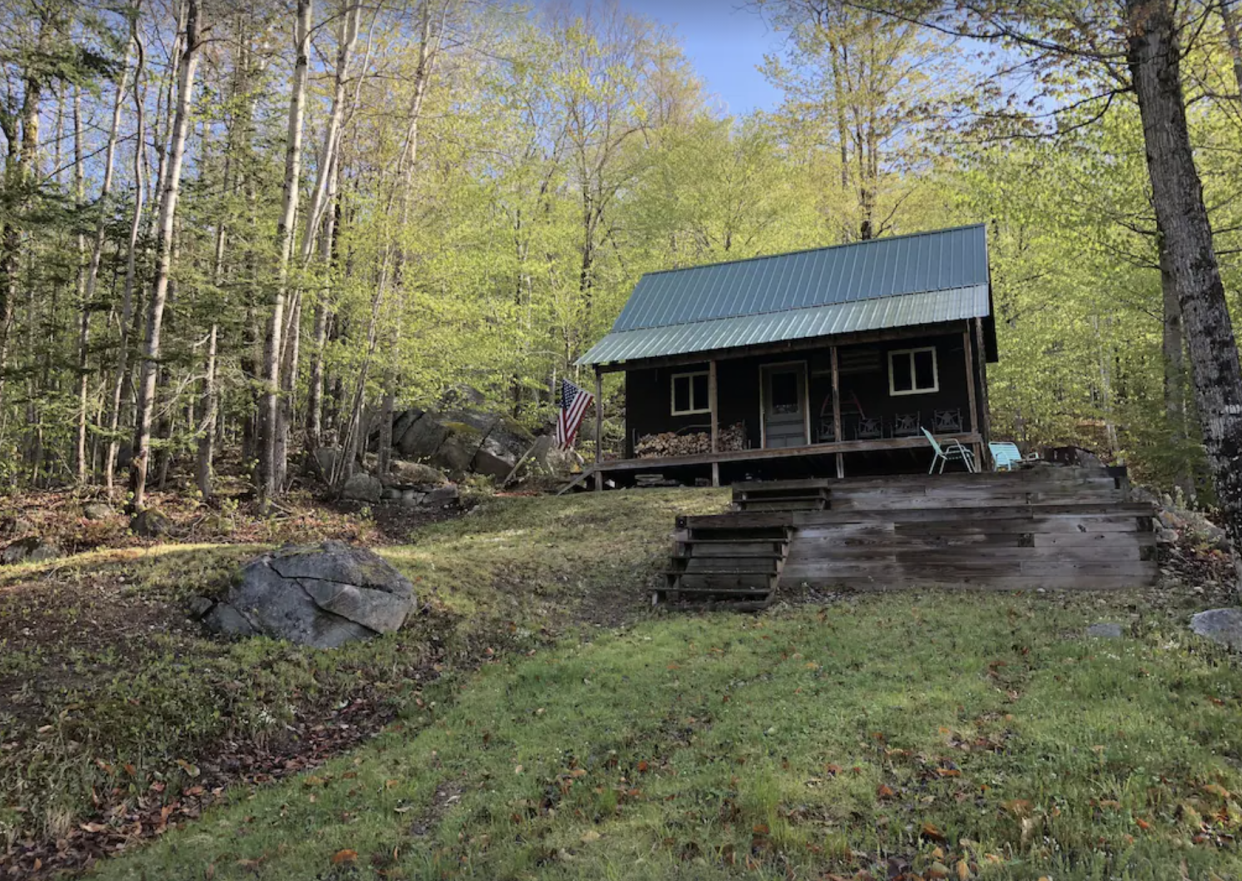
(785, 398)
(690, 393)
(913, 371)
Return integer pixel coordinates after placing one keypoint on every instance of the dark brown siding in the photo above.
(864, 376)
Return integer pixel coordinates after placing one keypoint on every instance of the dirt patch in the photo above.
(394, 523)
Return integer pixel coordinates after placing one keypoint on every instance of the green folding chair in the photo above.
(952, 451)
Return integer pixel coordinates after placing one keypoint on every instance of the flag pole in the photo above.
(599, 428)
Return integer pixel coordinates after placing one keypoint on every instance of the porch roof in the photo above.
(915, 279)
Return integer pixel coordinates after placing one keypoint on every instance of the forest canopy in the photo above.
(257, 229)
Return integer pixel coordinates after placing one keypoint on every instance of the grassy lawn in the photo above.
(119, 717)
(937, 735)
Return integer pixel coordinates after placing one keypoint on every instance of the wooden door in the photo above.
(784, 405)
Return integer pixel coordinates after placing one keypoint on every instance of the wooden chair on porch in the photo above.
(951, 451)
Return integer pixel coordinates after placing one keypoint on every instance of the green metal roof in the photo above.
(922, 278)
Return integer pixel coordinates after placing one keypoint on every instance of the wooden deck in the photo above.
(827, 449)
(1048, 527)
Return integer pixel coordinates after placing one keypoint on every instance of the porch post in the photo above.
(984, 408)
(599, 429)
(712, 398)
(970, 391)
(836, 411)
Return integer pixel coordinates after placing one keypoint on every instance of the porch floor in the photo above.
(969, 439)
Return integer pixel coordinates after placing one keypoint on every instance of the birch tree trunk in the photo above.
(207, 428)
(269, 418)
(1154, 56)
(1231, 37)
(186, 68)
(92, 267)
(127, 297)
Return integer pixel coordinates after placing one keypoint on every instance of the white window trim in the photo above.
(672, 388)
(910, 353)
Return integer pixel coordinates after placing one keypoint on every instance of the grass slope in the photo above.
(960, 735)
(116, 706)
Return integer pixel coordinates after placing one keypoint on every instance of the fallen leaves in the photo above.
(344, 856)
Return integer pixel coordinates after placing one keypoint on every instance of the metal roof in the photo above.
(883, 283)
(748, 330)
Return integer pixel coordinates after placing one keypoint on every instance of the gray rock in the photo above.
(362, 488)
(199, 606)
(1165, 536)
(150, 523)
(412, 498)
(97, 511)
(1223, 626)
(224, 619)
(1215, 536)
(31, 549)
(422, 439)
(441, 495)
(326, 458)
(500, 451)
(319, 595)
(456, 454)
(402, 422)
(413, 474)
(1105, 630)
(390, 494)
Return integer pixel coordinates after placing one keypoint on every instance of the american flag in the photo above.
(574, 404)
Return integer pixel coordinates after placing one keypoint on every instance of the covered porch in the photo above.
(842, 411)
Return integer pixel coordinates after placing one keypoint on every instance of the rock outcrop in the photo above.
(461, 442)
(318, 595)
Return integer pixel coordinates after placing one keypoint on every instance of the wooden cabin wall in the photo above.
(863, 372)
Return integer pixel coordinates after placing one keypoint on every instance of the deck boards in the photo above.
(1051, 528)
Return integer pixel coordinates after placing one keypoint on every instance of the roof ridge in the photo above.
(858, 244)
(961, 287)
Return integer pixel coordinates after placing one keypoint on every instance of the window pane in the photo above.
(681, 393)
(700, 392)
(785, 392)
(924, 370)
(900, 365)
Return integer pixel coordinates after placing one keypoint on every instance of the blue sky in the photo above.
(725, 42)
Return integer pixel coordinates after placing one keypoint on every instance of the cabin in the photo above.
(821, 363)
(806, 381)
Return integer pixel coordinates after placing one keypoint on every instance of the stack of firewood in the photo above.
(670, 443)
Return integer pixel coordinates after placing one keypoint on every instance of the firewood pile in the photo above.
(670, 443)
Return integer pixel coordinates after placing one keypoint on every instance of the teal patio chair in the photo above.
(951, 451)
(1005, 456)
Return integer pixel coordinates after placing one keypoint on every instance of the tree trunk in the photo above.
(269, 421)
(127, 298)
(1154, 55)
(187, 66)
(1174, 372)
(1231, 37)
(207, 429)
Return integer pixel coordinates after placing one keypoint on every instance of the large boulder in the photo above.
(327, 457)
(412, 474)
(31, 549)
(457, 452)
(422, 438)
(503, 447)
(318, 595)
(362, 488)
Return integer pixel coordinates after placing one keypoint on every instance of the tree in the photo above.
(186, 68)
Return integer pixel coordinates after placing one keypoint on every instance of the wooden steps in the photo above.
(726, 563)
(1051, 528)
(783, 495)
